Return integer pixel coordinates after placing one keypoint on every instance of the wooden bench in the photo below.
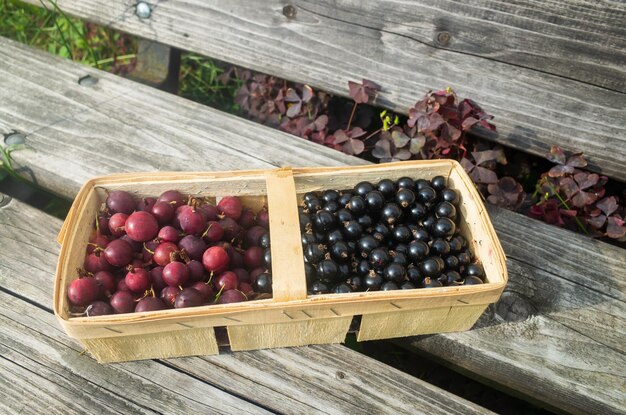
(546, 340)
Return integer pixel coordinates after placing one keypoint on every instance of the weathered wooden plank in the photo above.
(558, 334)
(326, 376)
(533, 109)
(42, 361)
(583, 40)
(75, 132)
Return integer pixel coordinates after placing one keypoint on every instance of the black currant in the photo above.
(426, 195)
(440, 247)
(451, 278)
(314, 253)
(430, 283)
(330, 196)
(343, 270)
(308, 238)
(402, 234)
(375, 201)
(391, 213)
(327, 270)
(421, 234)
(352, 230)
(471, 280)
(450, 195)
(429, 221)
(318, 287)
(355, 282)
(324, 221)
(399, 258)
(363, 188)
(445, 210)
(310, 196)
(379, 257)
(344, 215)
(438, 183)
(340, 251)
(345, 197)
(402, 249)
(421, 183)
(264, 240)
(388, 286)
(405, 183)
(443, 227)
(475, 270)
(407, 285)
(334, 236)
(430, 267)
(305, 221)
(457, 243)
(342, 288)
(416, 213)
(372, 282)
(405, 197)
(365, 244)
(414, 275)
(365, 221)
(464, 257)
(452, 262)
(418, 250)
(394, 272)
(363, 267)
(332, 207)
(356, 205)
(381, 232)
(267, 258)
(387, 188)
(313, 205)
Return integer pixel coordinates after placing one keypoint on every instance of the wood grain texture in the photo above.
(293, 380)
(330, 43)
(76, 132)
(558, 333)
(47, 369)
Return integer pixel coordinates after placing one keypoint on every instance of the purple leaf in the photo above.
(577, 160)
(399, 138)
(360, 93)
(608, 205)
(556, 155)
(586, 180)
(307, 93)
(294, 109)
(615, 227)
(560, 170)
(483, 175)
(596, 222)
(417, 144)
(353, 147)
(382, 149)
(468, 123)
(292, 96)
(340, 137)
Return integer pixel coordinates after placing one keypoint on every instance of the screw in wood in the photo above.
(289, 11)
(443, 38)
(143, 10)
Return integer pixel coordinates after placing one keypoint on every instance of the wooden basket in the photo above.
(290, 318)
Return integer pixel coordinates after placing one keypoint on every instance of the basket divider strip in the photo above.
(289, 281)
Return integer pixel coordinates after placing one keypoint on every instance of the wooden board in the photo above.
(567, 48)
(43, 361)
(128, 127)
(558, 334)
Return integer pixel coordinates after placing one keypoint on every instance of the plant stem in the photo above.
(372, 134)
(119, 58)
(564, 203)
(351, 116)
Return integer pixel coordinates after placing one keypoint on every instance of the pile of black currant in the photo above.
(386, 236)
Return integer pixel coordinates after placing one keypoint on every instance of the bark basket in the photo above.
(290, 318)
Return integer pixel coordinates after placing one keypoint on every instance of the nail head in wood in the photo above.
(143, 10)
(14, 139)
(443, 38)
(289, 11)
(87, 80)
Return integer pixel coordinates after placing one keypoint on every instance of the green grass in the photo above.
(50, 29)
